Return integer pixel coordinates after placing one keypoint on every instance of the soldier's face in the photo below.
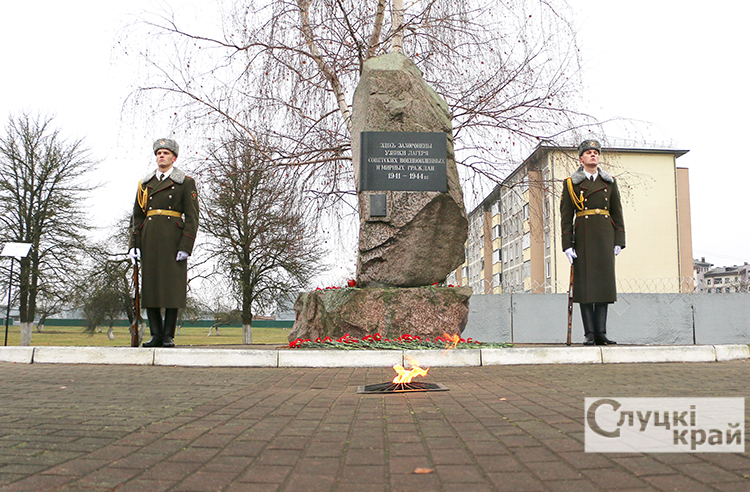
(590, 158)
(165, 159)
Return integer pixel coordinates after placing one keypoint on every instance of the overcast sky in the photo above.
(670, 63)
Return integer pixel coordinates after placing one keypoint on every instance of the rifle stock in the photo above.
(570, 305)
(134, 334)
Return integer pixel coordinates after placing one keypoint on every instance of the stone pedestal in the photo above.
(425, 311)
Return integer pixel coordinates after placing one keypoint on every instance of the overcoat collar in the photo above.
(579, 176)
(178, 176)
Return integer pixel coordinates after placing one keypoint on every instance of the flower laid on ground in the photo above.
(404, 342)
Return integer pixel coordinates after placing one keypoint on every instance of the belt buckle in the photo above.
(598, 211)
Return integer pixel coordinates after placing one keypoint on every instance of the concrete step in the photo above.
(273, 357)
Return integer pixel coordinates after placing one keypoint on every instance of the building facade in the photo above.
(514, 234)
(700, 268)
(726, 280)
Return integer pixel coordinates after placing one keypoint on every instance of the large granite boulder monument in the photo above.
(413, 224)
(416, 238)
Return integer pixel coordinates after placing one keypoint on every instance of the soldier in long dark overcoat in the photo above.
(164, 226)
(593, 233)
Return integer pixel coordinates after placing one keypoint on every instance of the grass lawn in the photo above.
(75, 336)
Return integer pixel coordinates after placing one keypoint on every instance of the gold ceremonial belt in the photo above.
(159, 211)
(593, 211)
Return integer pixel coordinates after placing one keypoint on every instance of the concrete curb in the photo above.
(688, 353)
(216, 358)
(22, 355)
(93, 355)
(443, 358)
(208, 357)
(732, 352)
(339, 358)
(541, 355)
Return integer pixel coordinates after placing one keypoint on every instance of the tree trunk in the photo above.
(26, 333)
(40, 327)
(247, 334)
(111, 333)
(397, 21)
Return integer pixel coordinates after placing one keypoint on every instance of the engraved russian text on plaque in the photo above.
(403, 161)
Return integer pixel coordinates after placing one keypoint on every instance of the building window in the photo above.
(717, 281)
(496, 231)
(548, 270)
(526, 211)
(708, 282)
(496, 256)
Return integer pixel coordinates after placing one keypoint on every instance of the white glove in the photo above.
(617, 250)
(134, 254)
(181, 256)
(571, 254)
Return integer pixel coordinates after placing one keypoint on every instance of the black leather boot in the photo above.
(587, 316)
(170, 324)
(155, 326)
(600, 324)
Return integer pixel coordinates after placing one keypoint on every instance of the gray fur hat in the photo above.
(588, 145)
(167, 143)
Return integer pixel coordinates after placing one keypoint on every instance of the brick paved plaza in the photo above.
(515, 428)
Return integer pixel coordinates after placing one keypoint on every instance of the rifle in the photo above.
(570, 304)
(137, 319)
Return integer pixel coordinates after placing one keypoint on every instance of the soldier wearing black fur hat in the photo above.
(593, 233)
(164, 225)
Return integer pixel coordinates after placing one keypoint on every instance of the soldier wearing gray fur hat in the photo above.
(163, 229)
(593, 233)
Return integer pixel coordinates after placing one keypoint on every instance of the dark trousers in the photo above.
(162, 329)
(594, 317)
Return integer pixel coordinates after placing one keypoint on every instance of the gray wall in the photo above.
(643, 319)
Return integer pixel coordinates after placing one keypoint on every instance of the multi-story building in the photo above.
(725, 280)
(514, 240)
(700, 268)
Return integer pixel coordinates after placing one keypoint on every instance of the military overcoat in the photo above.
(160, 236)
(592, 224)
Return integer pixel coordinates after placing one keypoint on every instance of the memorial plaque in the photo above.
(403, 161)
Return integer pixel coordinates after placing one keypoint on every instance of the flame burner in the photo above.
(410, 387)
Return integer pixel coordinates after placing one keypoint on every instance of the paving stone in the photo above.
(516, 481)
(676, 482)
(505, 427)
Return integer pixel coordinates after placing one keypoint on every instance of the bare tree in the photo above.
(262, 234)
(41, 203)
(284, 73)
(105, 291)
